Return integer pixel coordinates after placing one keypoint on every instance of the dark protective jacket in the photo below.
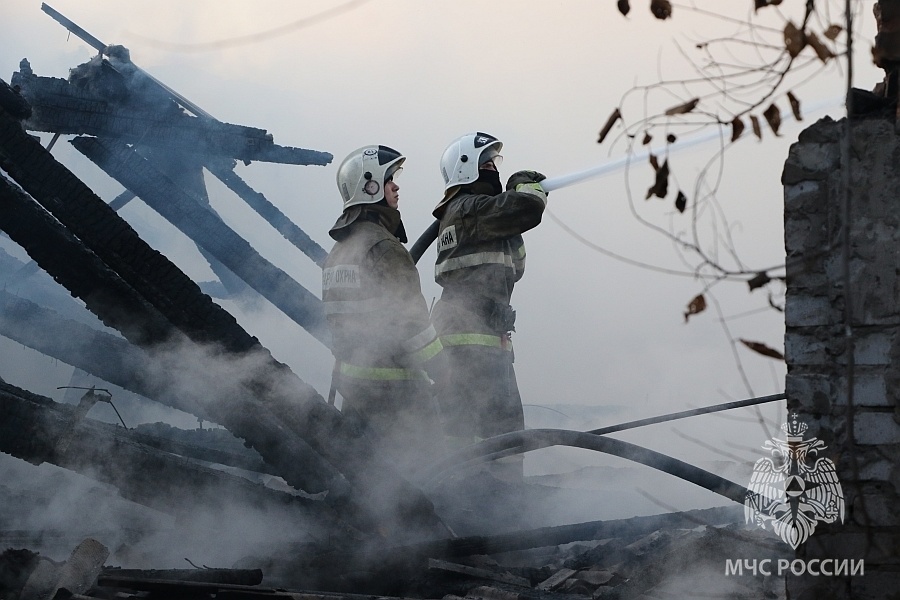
(382, 338)
(481, 255)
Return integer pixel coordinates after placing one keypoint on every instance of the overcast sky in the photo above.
(542, 77)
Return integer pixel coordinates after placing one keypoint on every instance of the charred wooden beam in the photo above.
(186, 171)
(33, 425)
(58, 251)
(565, 534)
(271, 213)
(157, 588)
(101, 354)
(225, 576)
(477, 573)
(208, 230)
(86, 216)
(197, 450)
(60, 107)
(13, 102)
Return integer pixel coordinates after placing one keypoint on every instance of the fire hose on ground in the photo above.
(533, 439)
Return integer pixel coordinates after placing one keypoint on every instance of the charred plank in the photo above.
(58, 106)
(208, 230)
(268, 211)
(222, 576)
(59, 252)
(33, 425)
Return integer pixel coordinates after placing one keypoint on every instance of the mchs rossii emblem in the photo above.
(795, 488)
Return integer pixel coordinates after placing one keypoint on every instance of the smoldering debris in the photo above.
(674, 561)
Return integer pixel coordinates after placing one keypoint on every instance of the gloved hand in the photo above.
(520, 177)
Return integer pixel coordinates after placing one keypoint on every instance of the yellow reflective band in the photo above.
(420, 340)
(473, 260)
(382, 373)
(428, 352)
(475, 339)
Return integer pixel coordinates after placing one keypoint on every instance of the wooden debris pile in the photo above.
(667, 562)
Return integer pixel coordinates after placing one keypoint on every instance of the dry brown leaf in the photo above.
(661, 9)
(754, 123)
(647, 139)
(654, 162)
(795, 106)
(822, 51)
(615, 116)
(683, 108)
(737, 128)
(773, 117)
(695, 306)
(763, 349)
(680, 202)
(661, 184)
(624, 7)
(794, 40)
(832, 32)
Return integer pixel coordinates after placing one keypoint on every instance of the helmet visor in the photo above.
(490, 156)
(392, 172)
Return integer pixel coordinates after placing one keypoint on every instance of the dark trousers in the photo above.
(480, 398)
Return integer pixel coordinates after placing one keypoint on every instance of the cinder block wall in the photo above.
(863, 440)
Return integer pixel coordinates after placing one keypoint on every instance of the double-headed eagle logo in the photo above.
(794, 489)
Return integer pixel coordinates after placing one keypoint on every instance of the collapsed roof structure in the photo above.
(140, 132)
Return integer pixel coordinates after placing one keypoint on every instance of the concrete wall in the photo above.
(862, 428)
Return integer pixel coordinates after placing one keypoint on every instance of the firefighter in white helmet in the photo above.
(383, 341)
(481, 255)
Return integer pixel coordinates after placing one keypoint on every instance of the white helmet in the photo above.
(361, 176)
(459, 164)
(461, 159)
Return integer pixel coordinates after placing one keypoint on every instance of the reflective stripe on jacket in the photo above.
(479, 242)
(481, 255)
(382, 373)
(373, 302)
(477, 339)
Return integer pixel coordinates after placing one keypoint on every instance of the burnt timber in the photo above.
(68, 109)
(36, 429)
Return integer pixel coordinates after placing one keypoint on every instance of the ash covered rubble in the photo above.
(680, 557)
(328, 521)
